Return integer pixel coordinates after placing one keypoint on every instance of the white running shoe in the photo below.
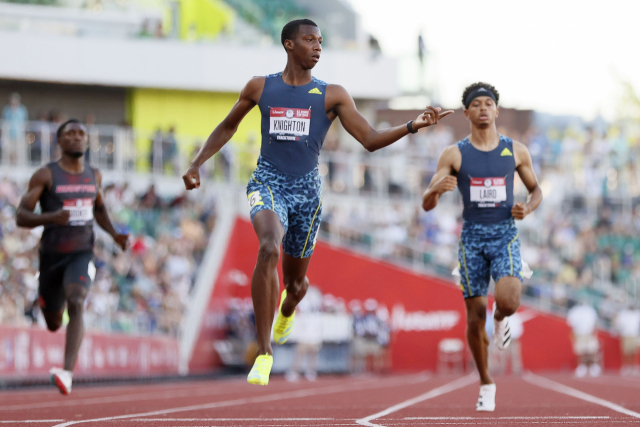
(62, 379)
(487, 398)
(581, 370)
(501, 332)
(595, 370)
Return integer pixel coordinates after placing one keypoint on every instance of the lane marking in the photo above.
(607, 382)
(230, 419)
(30, 421)
(438, 391)
(260, 399)
(169, 394)
(561, 388)
(509, 418)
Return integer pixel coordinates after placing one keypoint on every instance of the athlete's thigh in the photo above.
(262, 196)
(51, 286)
(76, 274)
(505, 257)
(305, 214)
(473, 267)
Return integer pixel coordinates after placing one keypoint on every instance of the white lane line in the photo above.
(454, 385)
(372, 384)
(231, 419)
(29, 421)
(610, 382)
(561, 388)
(169, 394)
(507, 418)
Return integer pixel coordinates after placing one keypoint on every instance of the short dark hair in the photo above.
(62, 126)
(478, 85)
(290, 30)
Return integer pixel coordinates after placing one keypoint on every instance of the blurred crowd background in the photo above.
(583, 243)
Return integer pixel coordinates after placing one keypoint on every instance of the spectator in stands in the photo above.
(369, 331)
(170, 152)
(155, 152)
(15, 116)
(308, 333)
(627, 323)
(583, 318)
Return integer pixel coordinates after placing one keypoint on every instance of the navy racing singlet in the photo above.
(294, 124)
(77, 194)
(485, 180)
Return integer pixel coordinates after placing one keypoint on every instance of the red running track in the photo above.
(399, 400)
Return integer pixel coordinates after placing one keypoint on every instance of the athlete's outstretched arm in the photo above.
(102, 216)
(25, 217)
(249, 98)
(342, 103)
(529, 179)
(443, 180)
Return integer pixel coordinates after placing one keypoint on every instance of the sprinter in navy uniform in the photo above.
(482, 166)
(70, 196)
(284, 192)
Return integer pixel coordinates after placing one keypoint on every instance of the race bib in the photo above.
(488, 192)
(81, 210)
(289, 124)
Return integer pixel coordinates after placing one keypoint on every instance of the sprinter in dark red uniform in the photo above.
(70, 196)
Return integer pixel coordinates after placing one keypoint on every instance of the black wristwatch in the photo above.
(410, 127)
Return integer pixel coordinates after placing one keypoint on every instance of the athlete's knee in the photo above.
(269, 252)
(296, 286)
(476, 313)
(75, 303)
(508, 304)
(54, 325)
(53, 321)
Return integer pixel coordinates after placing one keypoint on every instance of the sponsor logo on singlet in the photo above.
(88, 188)
(289, 124)
(488, 192)
(81, 211)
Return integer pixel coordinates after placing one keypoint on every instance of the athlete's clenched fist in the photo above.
(192, 178)
(448, 183)
(520, 210)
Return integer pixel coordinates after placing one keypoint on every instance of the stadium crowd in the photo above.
(142, 291)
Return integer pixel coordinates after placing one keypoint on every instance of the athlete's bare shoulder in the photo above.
(451, 157)
(336, 98)
(42, 177)
(252, 91)
(521, 153)
(336, 94)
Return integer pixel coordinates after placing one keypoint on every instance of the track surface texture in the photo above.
(545, 400)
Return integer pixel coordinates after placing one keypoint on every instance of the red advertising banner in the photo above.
(423, 310)
(31, 352)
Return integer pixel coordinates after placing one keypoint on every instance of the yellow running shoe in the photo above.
(284, 325)
(261, 369)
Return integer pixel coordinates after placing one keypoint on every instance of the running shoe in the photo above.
(487, 398)
(259, 374)
(501, 332)
(62, 379)
(283, 325)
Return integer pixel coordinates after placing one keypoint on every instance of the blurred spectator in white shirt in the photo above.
(308, 330)
(627, 323)
(15, 116)
(583, 318)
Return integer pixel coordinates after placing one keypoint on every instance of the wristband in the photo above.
(410, 127)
